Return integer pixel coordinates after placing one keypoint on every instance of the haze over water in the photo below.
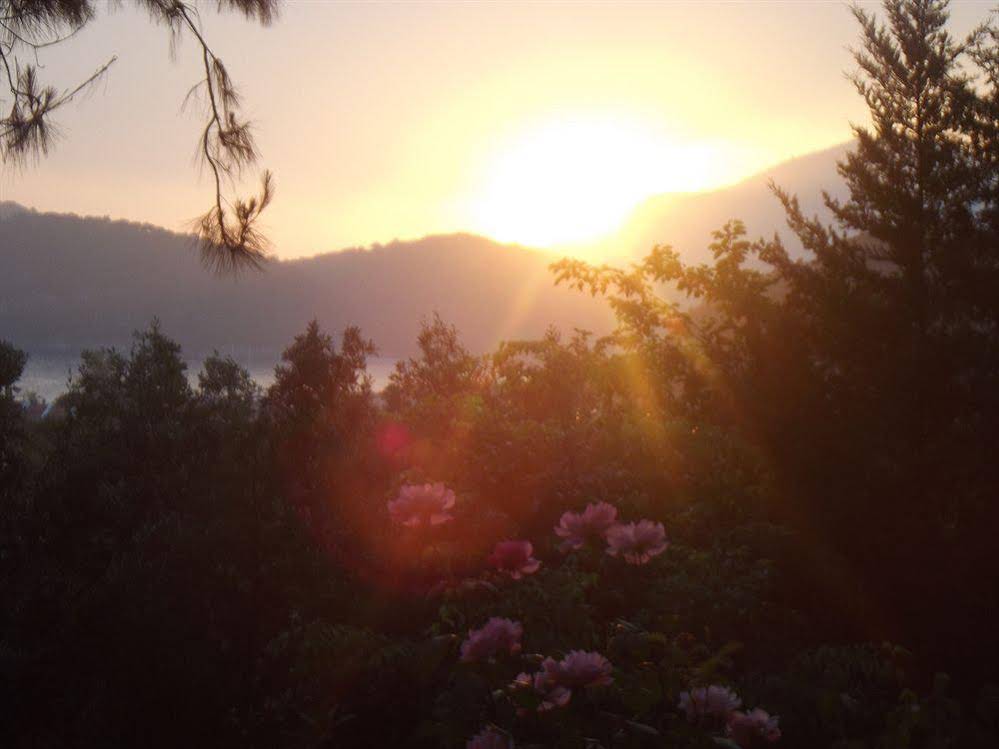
(47, 372)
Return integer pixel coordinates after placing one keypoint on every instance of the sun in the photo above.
(576, 179)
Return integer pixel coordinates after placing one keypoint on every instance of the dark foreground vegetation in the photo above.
(767, 516)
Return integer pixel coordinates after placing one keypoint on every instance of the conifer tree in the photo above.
(866, 368)
(896, 303)
(896, 291)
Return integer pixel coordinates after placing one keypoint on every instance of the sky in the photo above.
(541, 123)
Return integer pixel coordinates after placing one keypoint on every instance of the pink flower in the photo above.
(637, 542)
(489, 739)
(753, 729)
(581, 669)
(554, 682)
(578, 527)
(709, 703)
(547, 685)
(523, 680)
(514, 558)
(498, 635)
(418, 505)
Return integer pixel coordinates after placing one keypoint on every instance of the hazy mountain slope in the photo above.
(686, 221)
(66, 280)
(90, 281)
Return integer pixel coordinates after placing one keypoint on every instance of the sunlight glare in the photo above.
(577, 179)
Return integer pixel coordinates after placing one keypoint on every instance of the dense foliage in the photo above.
(763, 515)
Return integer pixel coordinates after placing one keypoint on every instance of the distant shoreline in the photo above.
(50, 366)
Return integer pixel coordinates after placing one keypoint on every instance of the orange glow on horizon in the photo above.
(577, 178)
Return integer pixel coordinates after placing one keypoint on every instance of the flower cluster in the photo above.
(551, 686)
(556, 679)
(636, 543)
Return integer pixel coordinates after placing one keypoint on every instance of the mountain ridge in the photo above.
(77, 282)
(81, 282)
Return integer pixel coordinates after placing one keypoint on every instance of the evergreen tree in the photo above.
(866, 371)
(321, 411)
(898, 302)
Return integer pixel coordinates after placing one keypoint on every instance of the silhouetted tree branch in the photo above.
(227, 233)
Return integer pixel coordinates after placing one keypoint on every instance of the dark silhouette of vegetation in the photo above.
(866, 371)
(227, 233)
(12, 431)
(777, 499)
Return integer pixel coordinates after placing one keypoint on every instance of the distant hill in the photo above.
(686, 221)
(79, 282)
(76, 282)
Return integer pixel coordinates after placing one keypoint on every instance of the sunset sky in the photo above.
(540, 123)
